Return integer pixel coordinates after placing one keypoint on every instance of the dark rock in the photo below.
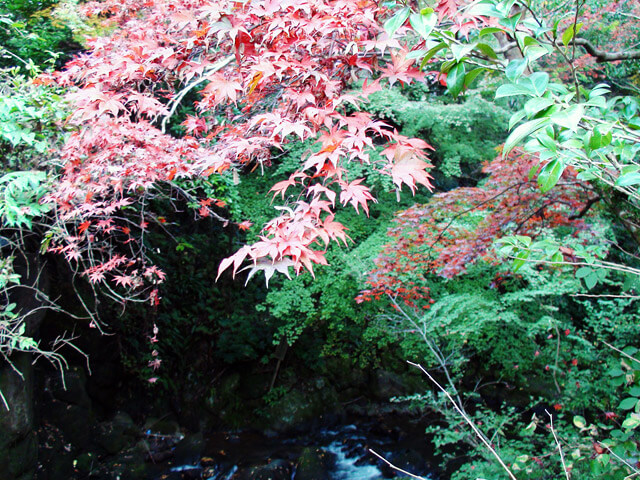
(298, 409)
(388, 384)
(86, 463)
(162, 427)
(18, 444)
(123, 421)
(253, 386)
(275, 470)
(112, 436)
(72, 388)
(18, 460)
(73, 420)
(314, 464)
(189, 450)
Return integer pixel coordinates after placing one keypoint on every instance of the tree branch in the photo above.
(586, 208)
(603, 56)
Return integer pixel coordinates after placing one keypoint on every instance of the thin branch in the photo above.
(635, 470)
(593, 295)
(475, 429)
(555, 367)
(601, 56)
(573, 49)
(564, 465)
(620, 352)
(4, 401)
(394, 467)
(176, 100)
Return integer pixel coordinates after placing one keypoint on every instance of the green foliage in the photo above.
(31, 117)
(31, 114)
(31, 36)
(20, 198)
(463, 135)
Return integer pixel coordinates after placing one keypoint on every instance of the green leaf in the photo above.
(579, 421)
(569, 117)
(513, 89)
(536, 105)
(628, 403)
(520, 260)
(431, 53)
(471, 76)
(534, 52)
(485, 10)
(595, 139)
(550, 174)
(459, 51)
(415, 54)
(487, 50)
(521, 132)
(599, 90)
(583, 272)
(546, 141)
(515, 69)
(539, 80)
(515, 118)
(455, 79)
(395, 22)
(591, 280)
(631, 422)
(490, 31)
(567, 35)
(632, 178)
(423, 23)
(557, 258)
(511, 22)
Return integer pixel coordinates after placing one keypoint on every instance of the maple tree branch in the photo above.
(585, 209)
(177, 99)
(471, 209)
(192, 198)
(603, 56)
(600, 55)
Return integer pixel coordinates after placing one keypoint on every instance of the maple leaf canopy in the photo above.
(284, 65)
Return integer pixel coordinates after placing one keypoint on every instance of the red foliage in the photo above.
(458, 227)
(284, 65)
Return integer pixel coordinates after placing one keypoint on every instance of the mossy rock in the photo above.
(314, 464)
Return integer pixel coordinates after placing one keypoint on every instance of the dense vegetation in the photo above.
(189, 142)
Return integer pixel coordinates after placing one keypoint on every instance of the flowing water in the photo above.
(344, 450)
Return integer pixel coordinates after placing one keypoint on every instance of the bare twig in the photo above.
(635, 470)
(564, 465)
(603, 295)
(396, 468)
(4, 400)
(475, 429)
(620, 352)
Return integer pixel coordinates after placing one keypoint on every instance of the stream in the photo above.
(338, 453)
